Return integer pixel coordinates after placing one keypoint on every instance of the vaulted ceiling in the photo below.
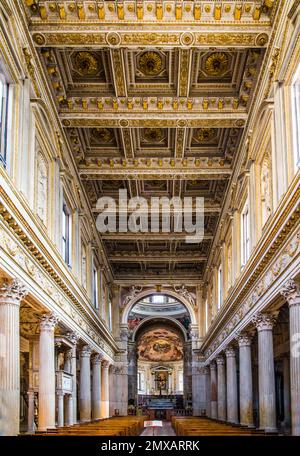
(154, 97)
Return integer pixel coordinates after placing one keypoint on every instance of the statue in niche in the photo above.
(266, 190)
(42, 184)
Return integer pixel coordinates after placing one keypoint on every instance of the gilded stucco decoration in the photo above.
(85, 63)
(150, 63)
(216, 64)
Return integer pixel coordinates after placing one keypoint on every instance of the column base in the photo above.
(269, 430)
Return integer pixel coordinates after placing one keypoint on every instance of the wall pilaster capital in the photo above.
(291, 292)
(85, 351)
(97, 359)
(230, 352)
(213, 366)
(244, 339)
(264, 321)
(48, 322)
(73, 337)
(220, 360)
(105, 364)
(206, 370)
(12, 291)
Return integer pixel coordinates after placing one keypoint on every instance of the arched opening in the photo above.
(159, 381)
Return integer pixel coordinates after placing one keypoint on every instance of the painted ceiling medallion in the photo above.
(204, 134)
(150, 63)
(102, 135)
(85, 63)
(216, 64)
(153, 135)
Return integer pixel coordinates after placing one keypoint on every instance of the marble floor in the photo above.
(165, 430)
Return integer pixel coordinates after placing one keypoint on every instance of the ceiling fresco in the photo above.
(160, 345)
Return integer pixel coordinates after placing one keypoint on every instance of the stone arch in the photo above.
(161, 319)
(143, 294)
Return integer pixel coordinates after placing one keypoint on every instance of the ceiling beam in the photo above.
(164, 172)
(140, 119)
(208, 209)
(64, 35)
(163, 237)
(157, 257)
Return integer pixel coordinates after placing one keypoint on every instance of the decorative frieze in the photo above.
(280, 263)
(25, 261)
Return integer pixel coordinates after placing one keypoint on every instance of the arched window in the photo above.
(42, 188)
(265, 189)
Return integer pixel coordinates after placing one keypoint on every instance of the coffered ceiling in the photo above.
(154, 97)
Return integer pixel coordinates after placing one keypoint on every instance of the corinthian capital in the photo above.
(86, 351)
(220, 360)
(97, 358)
(12, 290)
(264, 321)
(105, 364)
(230, 352)
(291, 292)
(244, 339)
(48, 322)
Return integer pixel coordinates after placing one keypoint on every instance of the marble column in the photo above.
(85, 384)
(291, 292)
(31, 425)
(105, 389)
(287, 393)
(232, 393)
(213, 391)
(69, 415)
(96, 386)
(266, 373)
(207, 390)
(11, 294)
(74, 337)
(46, 417)
(221, 388)
(60, 409)
(246, 387)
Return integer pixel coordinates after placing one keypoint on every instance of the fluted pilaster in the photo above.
(11, 294)
(266, 375)
(47, 372)
(85, 384)
(246, 387)
(291, 292)
(221, 388)
(232, 395)
(213, 391)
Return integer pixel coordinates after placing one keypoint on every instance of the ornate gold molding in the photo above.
(161, 39)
